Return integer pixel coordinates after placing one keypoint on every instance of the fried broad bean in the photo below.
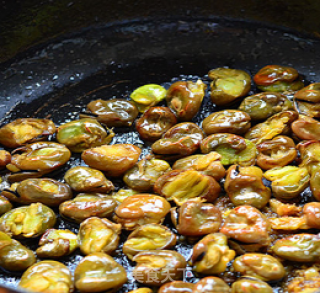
(143, 175)
(276, 78)
(250, 285)
(211, 285)
(289, 223)
(306, 281)
(278, 152)
(162, 265)
(122, 194)
(227, 121)
(233, 149)
(5, 159)
(176, 287)
(148, 237)
(211, 254)
(307, 100)
(85, 179)
(154, 122)
(114, 160)
(141, 209)
(5, 205)
(86, 205)
(99, 272)
(180, 186)
(284, 209)
(47, 277)
(261, 266)
(196, 218)
(244, 186)
(263, 105)
(247, 224)
(37, 159)
(184, 98)
(273, 126)
(306, 128)
(142, 290)
(57, 243)
(113, 113)
(79, 135)
(13, 255)
(28, 221)
(98, 235)
(298, 247)
(288, 182)
(25, 130)
(179, 141)
(311, 212)
(228, 84)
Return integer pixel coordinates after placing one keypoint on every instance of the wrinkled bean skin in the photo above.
(227, 121)
(211, 285)
(288, 223)
(5, 159)
(114, 112)
(247, 224)
(143, 175)
(160, 264)
(122, 194)
(27, 221)
(263, 105)
(233, 149)
(176, 287)
(180, 186)
(99, 272)
(306, 128)
(86, 205)
(148, 237)
(228, 85)
(25, 130)
(141, 209)
(57, 278)
(85, 179)
(113, 160)
(276, 78)
(244, 186)
(250, 285)
(307, 100)
(261, 266)
(311, 212)
(184, 98)
(5, 205)
(278, 152)
(196, 218)
(211, 254)
(155, 122)
(98, 235)
(299, 248)
(57, 243)
(306, 281)
(13, 255)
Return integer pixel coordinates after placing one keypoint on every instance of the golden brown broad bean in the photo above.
(233, 149)
(184, 98)
(113, 113)
(86, 205)
(99, 272)
(25, 130)
(85, 179)
(149, 237)
(211, 254)
(5, 205)
(244, 186)
(284, 209)
(180, 186)
(311, 212)
(98, 235)
(273, 126)
(176, 287)
(142, 290)
(227, 121)
(57, 243)
(289, 223)
(47, 277)
(307, 100)
(155, 122)
(305, 281)
(258, 265)
(196, 218)
(250, 285)
(278, 152)
(141, 209)
(276, 78)
(113, 160)
(228, 84)
(156, 267)
(247, 224)
(28, 221)
(299, 248)
(143, 175)
(13, 255)
(5, 159)
(211, 285)
(306, 128)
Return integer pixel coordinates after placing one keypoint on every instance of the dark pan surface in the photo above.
(57, 80)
